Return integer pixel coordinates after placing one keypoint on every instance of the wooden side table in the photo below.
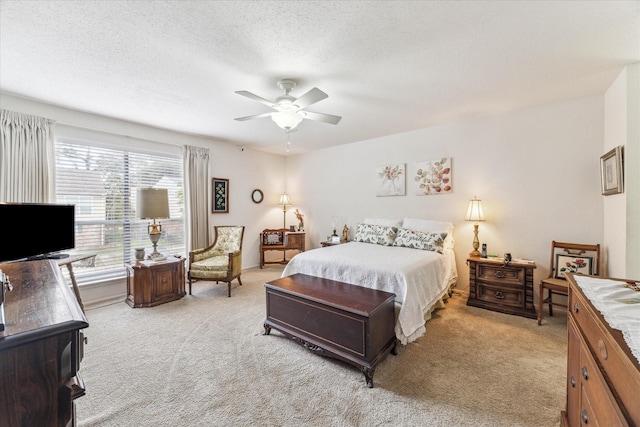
(288, 240)
(499, 287)
(150, 283)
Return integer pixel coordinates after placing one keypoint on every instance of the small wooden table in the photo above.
(330, 318)
(150, 283)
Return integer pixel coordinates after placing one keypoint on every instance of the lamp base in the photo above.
(475, 254)
(156, 256)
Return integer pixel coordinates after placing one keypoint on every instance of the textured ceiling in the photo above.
(387, 66)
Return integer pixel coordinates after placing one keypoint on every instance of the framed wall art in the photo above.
(220, 195)
(611, 172)
(390, 180)
(433, 177)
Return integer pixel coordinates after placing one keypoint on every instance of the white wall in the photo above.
(536, 171)
(622, 211)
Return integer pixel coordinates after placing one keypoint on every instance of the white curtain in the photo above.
(196, 184)
(26, 158)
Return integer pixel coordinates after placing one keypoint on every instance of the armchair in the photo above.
(221, 261)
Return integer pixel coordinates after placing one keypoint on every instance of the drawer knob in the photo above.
(572, 381)
(500, 274)
(499, 295)
(576, 308)
(585, 418)
(164, 280)
(585, 374)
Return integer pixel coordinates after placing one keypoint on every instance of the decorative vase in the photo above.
(140, 254)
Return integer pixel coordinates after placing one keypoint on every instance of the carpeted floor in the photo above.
(203, 361)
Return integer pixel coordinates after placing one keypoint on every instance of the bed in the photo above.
(413, 258)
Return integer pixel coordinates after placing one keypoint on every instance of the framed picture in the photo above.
(390, 180)
(220, 195)
(611, 171)
(573, 264)
(433, 177)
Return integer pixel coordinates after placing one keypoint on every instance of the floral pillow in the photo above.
(376, 234)
(420, 240)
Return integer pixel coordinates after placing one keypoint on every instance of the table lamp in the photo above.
(284, 201)
(153, 203)
(475, 213)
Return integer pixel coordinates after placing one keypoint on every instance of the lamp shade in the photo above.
(284, 200)
(153, 203)
(287, 120)
(474, 211)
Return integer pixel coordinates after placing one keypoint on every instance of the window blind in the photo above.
(102, 183)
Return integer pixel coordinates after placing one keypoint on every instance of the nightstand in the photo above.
(507, 289)
(150, 283)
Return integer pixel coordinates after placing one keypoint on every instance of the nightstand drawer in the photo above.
(503, 295)
(499, 274)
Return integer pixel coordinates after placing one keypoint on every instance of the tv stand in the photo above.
(57, 256)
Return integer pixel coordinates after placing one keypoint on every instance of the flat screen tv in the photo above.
(39, 230)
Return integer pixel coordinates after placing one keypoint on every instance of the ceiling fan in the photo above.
(290, 111)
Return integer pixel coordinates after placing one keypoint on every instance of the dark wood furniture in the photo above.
(279, 239)
(41, 347)
(347, 322)
(499, 287)
(603, 376)
(580, 256)
(151, 283)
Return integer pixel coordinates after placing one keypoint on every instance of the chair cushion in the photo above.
(215, 263)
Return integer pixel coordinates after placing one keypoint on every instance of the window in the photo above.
(102, 183)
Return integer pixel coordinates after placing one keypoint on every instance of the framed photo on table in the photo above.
(611, 171)
(220, 195)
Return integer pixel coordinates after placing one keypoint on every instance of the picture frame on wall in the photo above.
(220, 195)
(611, 172)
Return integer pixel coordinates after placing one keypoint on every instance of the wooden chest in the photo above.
(335, 319)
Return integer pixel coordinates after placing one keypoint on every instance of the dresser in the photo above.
(150, 283)
(41, 347)
(603, 376)
(499, 287)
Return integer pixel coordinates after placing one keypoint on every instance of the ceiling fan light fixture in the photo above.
(286, 120)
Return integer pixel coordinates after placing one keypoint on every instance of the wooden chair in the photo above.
(566, 258)
(221, 261)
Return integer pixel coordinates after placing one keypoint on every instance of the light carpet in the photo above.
(203, 361)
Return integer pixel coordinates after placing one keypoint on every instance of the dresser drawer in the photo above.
(499, 274)
(608, 354)
(599, 407)
(504, 295)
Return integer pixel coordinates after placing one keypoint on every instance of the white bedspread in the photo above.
(418, 278)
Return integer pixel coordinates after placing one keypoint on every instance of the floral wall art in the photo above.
(433, 177)
(390, 180)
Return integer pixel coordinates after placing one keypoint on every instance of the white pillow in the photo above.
(431, 226)
(383, 221)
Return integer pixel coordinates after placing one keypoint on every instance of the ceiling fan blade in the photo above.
(311, 97)
(256, 98)
(257, 116)
(321, 117)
